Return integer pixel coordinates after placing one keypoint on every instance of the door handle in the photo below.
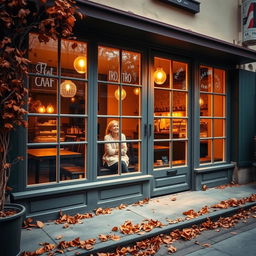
(145, 130)
(150, 130)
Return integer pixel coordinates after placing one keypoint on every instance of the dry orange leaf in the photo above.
(206, 245)
(115, 229)
(172, 249)
(204, 187)
(167, 240)
(40, 224)
(103, 237)
(115, 237)
(66, 225)
(40, 251)
(59, 237)
(88, 247)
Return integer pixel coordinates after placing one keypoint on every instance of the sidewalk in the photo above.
(161, 208)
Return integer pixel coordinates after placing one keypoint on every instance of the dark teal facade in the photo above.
(134, 32)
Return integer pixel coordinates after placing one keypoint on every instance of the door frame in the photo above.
(169, 172)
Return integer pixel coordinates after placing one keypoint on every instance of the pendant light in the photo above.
(68, 89)
(159, 76)
(80, 64)
(117, 94)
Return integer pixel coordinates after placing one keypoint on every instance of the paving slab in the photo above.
(30, 239)
(159, 208)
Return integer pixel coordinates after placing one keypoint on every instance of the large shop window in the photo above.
(119, 111)
(212, 115)
(57, 118)
(170, 113)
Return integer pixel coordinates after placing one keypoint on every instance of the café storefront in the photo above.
(168, 89)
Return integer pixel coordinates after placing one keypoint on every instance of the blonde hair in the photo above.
(109, 126)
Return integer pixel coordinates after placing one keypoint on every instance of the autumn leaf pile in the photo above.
(50, 19)
(149, 246)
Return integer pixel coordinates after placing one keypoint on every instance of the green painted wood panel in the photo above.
(246, 117)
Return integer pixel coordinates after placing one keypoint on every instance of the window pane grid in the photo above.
(170, 113)
(49, 123)
(119, 95)
(212, 115)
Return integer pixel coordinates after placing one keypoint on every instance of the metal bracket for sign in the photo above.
(189, 5)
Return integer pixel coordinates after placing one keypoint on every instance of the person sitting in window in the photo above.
(111, 156)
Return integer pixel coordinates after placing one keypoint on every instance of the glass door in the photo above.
(170, 123)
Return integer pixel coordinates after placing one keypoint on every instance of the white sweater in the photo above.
(110, 157)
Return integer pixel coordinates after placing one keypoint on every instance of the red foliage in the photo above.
(51, 19)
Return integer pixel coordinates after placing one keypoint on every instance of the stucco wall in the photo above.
(217, 18)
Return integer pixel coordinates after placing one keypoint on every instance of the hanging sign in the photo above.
(189, 5)
(249, 22)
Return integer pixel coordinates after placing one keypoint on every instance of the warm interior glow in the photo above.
(50, 109)
(178, 114)
(67, 86)
(41, 109)
(201, 101)
(80, 64)
(159, 76)
(73, 99)
(123, 94)
(136, 91)
(68, 89)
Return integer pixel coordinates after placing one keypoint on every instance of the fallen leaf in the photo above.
(173, 199)
(59, 237)
(204, 187)
(40, 224)
(172, 249)
(115, 229)
(115, 237)
(167, 240)
(103, 237)
(206, 245)
(40, 250)
(66, 225)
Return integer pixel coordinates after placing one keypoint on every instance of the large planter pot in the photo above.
(10, 230)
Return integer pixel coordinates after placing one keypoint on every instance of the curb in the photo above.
(130, 239)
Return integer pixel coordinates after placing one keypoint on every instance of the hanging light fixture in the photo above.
(68, 89)
(117, 94)
(41, 109)
(80, 64)
(159, 76)
(50, 109)
(136, 91)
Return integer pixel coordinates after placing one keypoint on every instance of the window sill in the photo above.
(213, 168)
(78, 187)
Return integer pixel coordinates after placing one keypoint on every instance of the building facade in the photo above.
(152, 98)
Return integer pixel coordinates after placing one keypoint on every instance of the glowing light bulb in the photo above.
(41, 109)
(68, 89)
(80, 64)
(136, 91)
(159, 76)
(50, 109)
(117, 94)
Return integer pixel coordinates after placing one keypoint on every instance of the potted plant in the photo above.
(50, 19)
